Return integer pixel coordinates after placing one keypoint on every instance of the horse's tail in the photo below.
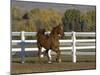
(40, 31)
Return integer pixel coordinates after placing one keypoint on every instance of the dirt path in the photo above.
(45, 67)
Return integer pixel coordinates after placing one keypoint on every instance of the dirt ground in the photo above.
(45, 67)
(32, 64)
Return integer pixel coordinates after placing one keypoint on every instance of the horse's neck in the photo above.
(53, 35)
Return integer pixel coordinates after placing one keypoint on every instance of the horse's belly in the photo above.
(46, 45)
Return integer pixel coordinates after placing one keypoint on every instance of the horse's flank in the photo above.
(43, 39)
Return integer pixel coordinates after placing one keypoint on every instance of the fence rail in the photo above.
(76, 44)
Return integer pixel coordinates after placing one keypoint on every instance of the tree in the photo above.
(88, 20)
(71, 20)
(44, 18)
(91, 20)
(83, 22)
(16, 13)
(16, 16)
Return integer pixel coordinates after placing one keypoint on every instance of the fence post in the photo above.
(73, 47)
(22, 47)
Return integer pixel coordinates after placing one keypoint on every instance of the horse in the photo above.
(50, 42)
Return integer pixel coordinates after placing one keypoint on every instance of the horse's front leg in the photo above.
(58, 59)
(49, 56)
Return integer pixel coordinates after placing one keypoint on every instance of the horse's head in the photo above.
(60, 30)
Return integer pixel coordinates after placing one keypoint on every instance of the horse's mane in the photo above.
(40, 31)
(54, 30)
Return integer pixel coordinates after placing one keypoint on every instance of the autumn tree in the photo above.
(91, 20)
(44, 18)
(88, 20)
(16, 16)
(16, 13)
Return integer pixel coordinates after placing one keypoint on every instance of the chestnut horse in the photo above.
(50, 42)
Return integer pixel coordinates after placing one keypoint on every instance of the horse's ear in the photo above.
(61, 26)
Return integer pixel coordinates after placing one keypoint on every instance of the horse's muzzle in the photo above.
(62, 35)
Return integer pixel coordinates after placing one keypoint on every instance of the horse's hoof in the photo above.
(49, 62)
(59, 60)
(41, 55)
(22, 62)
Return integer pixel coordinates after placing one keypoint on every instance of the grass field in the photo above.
(32, 65)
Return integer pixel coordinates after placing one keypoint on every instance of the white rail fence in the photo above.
(74, 41)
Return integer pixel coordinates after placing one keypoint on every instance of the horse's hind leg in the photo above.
(39, 52)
